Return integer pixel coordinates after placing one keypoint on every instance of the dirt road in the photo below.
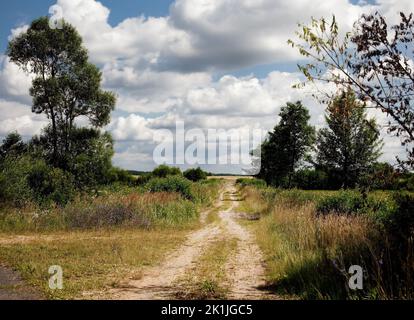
(244, 268)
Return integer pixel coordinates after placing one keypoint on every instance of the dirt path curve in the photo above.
(245, 269)
(156, 283)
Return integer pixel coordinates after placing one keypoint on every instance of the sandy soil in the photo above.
(12, 287)
(245, 269)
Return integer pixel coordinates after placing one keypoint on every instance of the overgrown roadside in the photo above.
(214, 258)
(99, 242)
(219, 261)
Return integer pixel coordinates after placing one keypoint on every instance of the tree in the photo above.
(351, 143)
(65, 86)
(89, 158)
(384, 176)
(12, 145)
(163, 171)
(375, 60)
(195, 175)
(288, 144)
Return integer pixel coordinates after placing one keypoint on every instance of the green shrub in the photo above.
(195, 175)
(25, 179)
(244, 182)
(343, 202)
(119, 175)
(375, 205)
(410, 183)
(163, 171)
(400, 223)
(50, 184)
(15, 188)
(2, 187)
(177, 184)
(309, 179)
(143, 179)
(296, 197)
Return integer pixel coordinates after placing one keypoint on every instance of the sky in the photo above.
(212, 64)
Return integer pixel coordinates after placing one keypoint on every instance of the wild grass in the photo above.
(100, 240)
(134, 210)
(208, 279)
(92, 260)
(309, 257)
(115, 207)
(308, 254)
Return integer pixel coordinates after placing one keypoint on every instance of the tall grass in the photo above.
(134, 210)
(164, 202)
(309, 254)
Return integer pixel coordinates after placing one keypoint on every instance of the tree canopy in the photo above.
(66, 86)
(351, 143)
(288, 144)
(375, 60)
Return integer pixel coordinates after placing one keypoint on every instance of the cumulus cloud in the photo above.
(14, 83)
(165, 69)
(16, 116)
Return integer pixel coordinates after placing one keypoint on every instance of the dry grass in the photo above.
(91, 260)
(97, 241)
(308, 256)
(207, 280)
(254, 203)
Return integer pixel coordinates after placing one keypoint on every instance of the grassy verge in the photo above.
(98, 241)
(308, 253)
(91, 260)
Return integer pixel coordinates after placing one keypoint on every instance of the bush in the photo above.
(379, 206)
(119, 175)
(343, 202)
(164, 171)
(410, 182)
(50, 184)
(400, 223)
(308, 179)
(2, 187)
(15, 188)
(143, 179)
(244, 182)
(25, 179)
(177, 184)
(195, 175)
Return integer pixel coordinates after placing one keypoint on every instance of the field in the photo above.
(100, 242)
(222, 238)
(308, 254)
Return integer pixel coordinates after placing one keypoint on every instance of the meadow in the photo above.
(104, 239)
(311, 238)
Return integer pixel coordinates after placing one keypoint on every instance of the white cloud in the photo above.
(14, 83)
(16, 116)
(17, 31)
(133, 127)
(167, 66)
